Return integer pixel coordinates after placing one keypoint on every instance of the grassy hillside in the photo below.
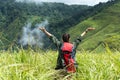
(107, 31)
(30, 65)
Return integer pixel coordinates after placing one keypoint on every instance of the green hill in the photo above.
(107, 33)
(15, 15)
(61, 17)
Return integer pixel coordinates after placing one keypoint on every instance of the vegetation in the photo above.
(107, 31)
(30, 65)
(100, 60)
(61, 17)
(14, 15)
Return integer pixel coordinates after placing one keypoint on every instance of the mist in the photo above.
(33, 36)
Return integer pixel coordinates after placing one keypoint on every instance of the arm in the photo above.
(51, 37)
(79, 39)
(46, 32)
(88, 29)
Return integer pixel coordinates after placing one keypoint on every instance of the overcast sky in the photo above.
(84, 2)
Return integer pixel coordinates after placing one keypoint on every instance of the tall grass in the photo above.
(30, 65)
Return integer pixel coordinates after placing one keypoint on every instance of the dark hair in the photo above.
(66, 37)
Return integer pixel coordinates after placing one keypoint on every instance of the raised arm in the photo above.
(79, 39)
(45, 31)
(51, 37)
(88, 29)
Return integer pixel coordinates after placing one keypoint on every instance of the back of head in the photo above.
(65, 37)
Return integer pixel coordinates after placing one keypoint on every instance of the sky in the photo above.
(69, 2)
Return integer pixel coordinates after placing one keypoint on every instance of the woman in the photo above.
(59, 45)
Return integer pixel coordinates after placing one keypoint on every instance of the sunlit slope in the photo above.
(107, 24)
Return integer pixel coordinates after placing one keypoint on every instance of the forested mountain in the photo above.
(14, 15)
(61, 17)
(107, 33)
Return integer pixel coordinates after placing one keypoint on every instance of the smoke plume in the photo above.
(33, 37)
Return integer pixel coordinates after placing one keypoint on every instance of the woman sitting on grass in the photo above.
(67, 51)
